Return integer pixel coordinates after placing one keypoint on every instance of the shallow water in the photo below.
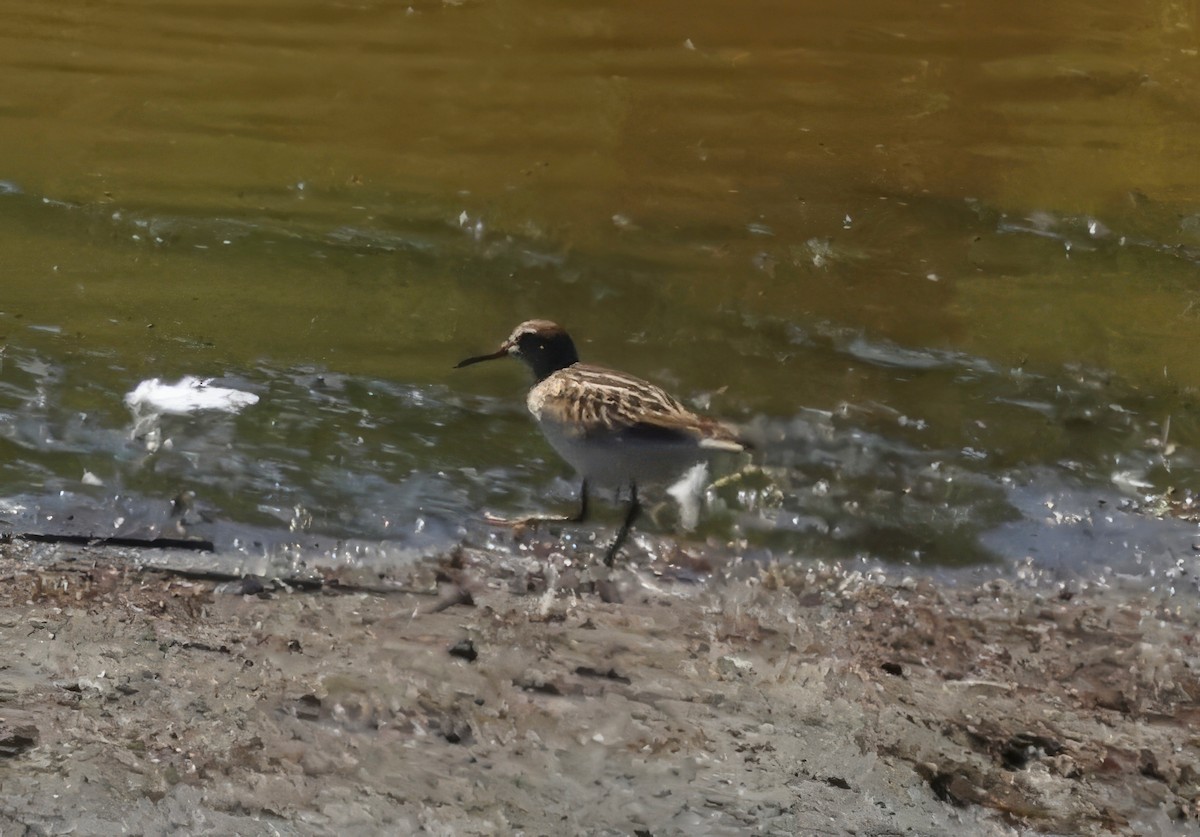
(941, 261)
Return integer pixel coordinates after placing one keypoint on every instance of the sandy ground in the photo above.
(491, 693)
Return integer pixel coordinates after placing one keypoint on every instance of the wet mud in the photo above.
(491, 692)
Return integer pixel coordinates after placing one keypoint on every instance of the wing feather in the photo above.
(592, 401)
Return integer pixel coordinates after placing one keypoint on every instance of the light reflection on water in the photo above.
(327, 462)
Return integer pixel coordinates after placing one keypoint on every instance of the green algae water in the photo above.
(941, 261)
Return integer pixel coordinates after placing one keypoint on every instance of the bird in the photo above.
(616, 430)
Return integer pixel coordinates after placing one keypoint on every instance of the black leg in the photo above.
(630, 516)
(583, 504)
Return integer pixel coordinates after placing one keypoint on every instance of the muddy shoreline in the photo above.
(487, 692)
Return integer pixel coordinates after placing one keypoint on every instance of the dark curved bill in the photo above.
(481, 358)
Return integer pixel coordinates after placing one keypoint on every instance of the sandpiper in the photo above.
(616, 430)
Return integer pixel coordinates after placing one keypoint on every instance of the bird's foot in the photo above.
(517, 524)
(520, 525)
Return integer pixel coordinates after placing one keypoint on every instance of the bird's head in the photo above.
(545, 347)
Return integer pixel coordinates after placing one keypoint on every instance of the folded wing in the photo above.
(601, 402)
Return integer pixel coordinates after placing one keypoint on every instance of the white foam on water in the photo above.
(187, 395)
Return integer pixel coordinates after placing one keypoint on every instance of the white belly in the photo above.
(618, 462)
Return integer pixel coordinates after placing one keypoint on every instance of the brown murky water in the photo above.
(938, 254)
